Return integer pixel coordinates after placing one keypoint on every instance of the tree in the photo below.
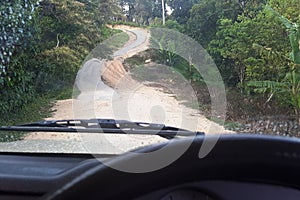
(15, 20)
(43, 45)
(294, 35)
(105, 10)
(128, 9)
(181, 9)
(68, 30)
(142, 11)
(238, 42)
(204, 16)
(287, 8)
(287, 88)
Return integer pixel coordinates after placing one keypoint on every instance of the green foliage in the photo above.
(106, 49)
(59, 67)
(157, 22)
(233, 126)
(15, 18)
(169, 48)
(170, 24)
(142, 11)
(35, 110)
(46, 45)
(288, 9)
(65, 32)
(294, 34)
(268, 87)
(287, 88)
(252, 45)
(17, 88)
(181, 9)
(250, 41)
(42, 46)
(204, 16)
(132, 24)
(167, 51)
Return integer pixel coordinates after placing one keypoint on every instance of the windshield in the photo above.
(209, 66)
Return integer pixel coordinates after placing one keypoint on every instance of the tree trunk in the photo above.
(297, 113)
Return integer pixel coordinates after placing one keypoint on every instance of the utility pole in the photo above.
(163, 11)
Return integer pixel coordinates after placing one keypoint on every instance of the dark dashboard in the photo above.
(224, 190)
(29, 176)
(239, 167)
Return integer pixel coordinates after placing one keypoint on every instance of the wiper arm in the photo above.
(105, 126)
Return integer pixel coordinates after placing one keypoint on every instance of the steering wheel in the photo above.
(235, 157)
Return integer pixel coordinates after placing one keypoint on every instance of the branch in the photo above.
(269, 99)
(57, 38)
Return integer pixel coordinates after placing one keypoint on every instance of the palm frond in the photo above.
(267, 86)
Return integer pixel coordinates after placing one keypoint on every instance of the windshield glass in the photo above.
(211, 66)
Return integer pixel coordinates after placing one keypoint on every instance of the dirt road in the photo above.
(124, 98)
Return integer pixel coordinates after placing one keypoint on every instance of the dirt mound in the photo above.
(114, 73)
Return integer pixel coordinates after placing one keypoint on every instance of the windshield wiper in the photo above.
(105, 126)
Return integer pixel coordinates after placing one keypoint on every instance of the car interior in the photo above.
(238, 167)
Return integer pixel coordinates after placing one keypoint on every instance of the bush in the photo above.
(47, 50)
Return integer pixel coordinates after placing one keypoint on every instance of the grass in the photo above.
(68, 93)
(105, 49)
(233, 126)
(37, 110)
(192, 105)
(135, 61)
(132, 24)
(142, 74)
(117, 41)
(34, 111)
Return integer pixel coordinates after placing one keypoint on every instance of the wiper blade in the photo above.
(105, 126)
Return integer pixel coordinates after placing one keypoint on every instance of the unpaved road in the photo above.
(126, 99)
